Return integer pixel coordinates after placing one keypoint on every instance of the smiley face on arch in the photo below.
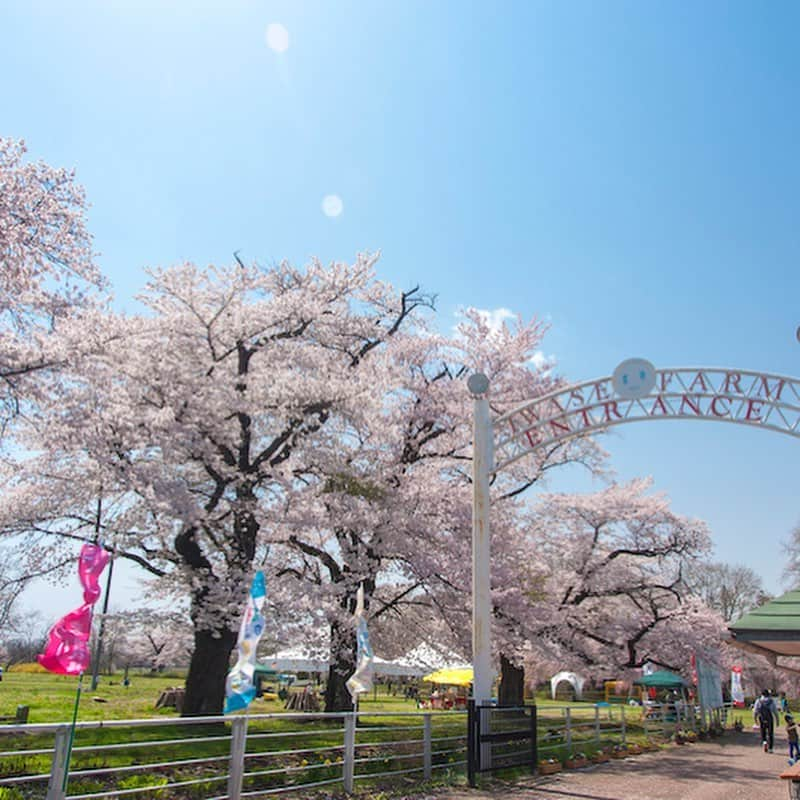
(634, 378)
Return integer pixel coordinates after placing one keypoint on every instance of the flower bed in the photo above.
(577, 761)
(549, 767)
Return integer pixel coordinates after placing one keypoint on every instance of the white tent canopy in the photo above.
(419, 661)
(294, 659)
(425, 658)
(570, 677)
(394, 668)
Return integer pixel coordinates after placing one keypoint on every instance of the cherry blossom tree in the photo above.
(199, 419)
(615, 589)
(761, 671)
(19, 566)
(791, 549)
(146, 637)
(48, 281)
(391, 508)
(589, 582)
(47, 269)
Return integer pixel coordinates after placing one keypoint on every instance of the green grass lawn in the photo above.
(51, 698)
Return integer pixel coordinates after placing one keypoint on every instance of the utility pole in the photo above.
(98, 651)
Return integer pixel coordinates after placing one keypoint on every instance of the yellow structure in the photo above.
(451, 677)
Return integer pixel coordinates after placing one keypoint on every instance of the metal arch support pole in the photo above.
(481, 542)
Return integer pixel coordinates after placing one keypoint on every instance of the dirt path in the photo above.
(727, 769)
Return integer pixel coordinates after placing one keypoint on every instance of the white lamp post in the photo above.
(482, 459)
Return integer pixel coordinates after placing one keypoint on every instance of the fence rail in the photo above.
(259, 755)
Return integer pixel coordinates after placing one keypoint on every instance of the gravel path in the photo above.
(724, 769)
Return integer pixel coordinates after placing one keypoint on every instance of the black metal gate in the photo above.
(500, 737)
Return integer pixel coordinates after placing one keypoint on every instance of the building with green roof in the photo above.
(770, 630)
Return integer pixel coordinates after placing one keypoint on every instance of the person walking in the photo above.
(765, 713)
(791, 735)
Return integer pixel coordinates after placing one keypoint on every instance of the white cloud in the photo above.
(495, 318)
(542, 362)
(277, 37)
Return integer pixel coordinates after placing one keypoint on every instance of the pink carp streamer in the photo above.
(67, 649)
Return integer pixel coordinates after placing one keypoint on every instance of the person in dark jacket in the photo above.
(765, 714)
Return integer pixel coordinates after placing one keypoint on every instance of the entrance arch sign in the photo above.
(636, 392)
(744, 397)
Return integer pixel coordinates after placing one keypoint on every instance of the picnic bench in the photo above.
(20, 718)
(306, 700)
(792, 775)
(446, 702)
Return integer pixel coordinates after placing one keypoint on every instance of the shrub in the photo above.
(151, 782)
(14, 765)
(27, 667)
(199, 791)
(86, 787)
(11, 793)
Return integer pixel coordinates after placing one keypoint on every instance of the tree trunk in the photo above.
(205, 683)
(343, 665)
(110, 657)
(512, 683)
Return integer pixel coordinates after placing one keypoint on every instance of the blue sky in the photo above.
(628, 171)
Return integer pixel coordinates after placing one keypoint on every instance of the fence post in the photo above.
(622, 718)
(568, 722)
(534, 740)
(597, 724)
(473, 735)
(236, 763)
(348, 767)
(427, 748)
(55, 786)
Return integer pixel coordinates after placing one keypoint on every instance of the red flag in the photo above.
(67, 649)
